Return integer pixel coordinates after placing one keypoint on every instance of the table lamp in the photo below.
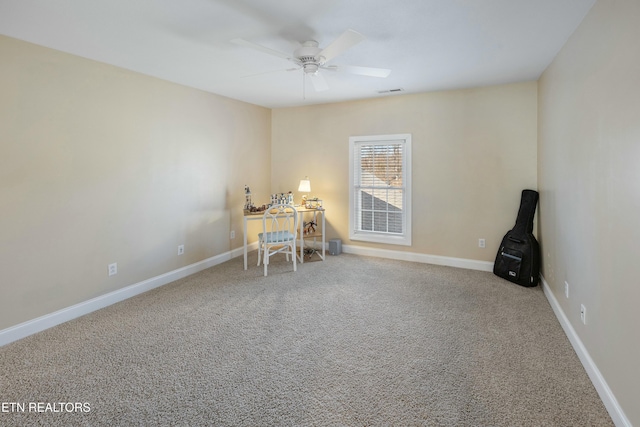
(304, 187)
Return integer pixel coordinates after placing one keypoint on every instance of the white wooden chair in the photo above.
(279, 232)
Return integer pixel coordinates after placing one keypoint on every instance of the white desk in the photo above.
(301, 236)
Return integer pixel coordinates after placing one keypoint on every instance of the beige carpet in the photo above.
(353, 341)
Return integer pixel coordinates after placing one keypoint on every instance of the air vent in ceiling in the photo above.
(391, 90)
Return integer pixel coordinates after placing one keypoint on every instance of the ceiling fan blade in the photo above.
(243, 42)
(363, 71)
(346, 40)
(318, 82)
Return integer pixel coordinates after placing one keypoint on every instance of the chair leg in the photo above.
(293, 251)
(259, 251)
(266, 259)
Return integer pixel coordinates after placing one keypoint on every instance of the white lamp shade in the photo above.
(305, 186)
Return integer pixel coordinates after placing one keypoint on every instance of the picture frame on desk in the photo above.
(313, 204)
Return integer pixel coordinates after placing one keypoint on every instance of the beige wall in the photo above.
(474, 151)
(589, 178)
(101, 165)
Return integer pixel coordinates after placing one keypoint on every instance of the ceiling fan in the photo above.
(310, 58)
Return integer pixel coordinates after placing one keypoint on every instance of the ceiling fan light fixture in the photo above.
(310, 68)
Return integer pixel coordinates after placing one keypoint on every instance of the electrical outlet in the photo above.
(180, 249)
(113, 269)
(232, 234)
(481, 243)
(566, 289)
(583, 314)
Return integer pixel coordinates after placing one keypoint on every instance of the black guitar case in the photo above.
(518, 258)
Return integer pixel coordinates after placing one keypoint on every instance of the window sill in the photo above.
(381, 238)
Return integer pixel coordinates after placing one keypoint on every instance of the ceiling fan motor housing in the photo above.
(308, 55)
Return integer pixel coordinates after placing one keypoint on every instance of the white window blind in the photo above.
(380, 189)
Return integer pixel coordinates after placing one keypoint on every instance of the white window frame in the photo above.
(355, 233)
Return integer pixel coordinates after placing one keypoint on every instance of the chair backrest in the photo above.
(281, 222)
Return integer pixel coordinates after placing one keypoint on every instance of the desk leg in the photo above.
(323, 235)
(301, 236)
(244, 241)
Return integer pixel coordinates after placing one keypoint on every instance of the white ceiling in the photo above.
(428, 44)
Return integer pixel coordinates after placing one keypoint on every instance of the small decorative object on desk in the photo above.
(282, 198)
(249, 207)
(314, 203)
(248, 204)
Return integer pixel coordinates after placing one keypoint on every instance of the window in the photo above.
(380, 189)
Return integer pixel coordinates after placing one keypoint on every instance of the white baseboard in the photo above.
(610, 402)
(47, 321)
(470, 264)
